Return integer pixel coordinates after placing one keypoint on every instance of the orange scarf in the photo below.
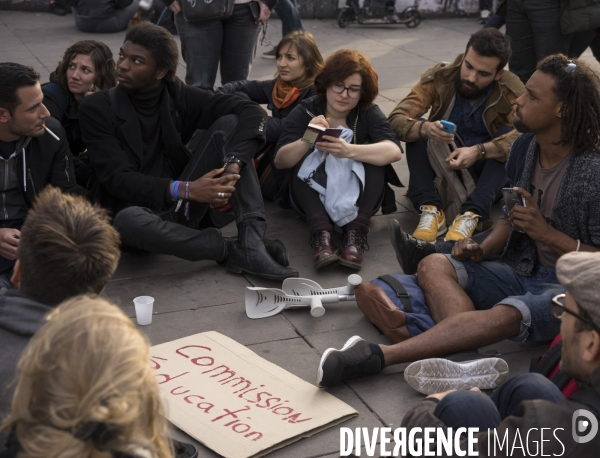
(284, 94)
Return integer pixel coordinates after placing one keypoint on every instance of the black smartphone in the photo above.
(511, 198)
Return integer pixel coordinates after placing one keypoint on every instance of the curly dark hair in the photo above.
(160, 43)
(101, 55)
(579, 92)
(339, 66)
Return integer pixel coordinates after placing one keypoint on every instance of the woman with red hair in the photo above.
(339, 180)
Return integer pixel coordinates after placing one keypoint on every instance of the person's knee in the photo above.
(226, 123)
(534, 386)
(467, 409)
(508, 317)
(129, 221)
(434, 267)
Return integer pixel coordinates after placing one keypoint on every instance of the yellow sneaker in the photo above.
(463, 226)
(431, 225)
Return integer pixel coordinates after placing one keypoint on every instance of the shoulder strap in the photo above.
(400, 291)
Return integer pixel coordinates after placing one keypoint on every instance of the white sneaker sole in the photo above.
(351, 341)
(436, 375)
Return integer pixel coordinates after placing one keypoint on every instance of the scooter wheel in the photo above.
(411, 18)
(344, 17)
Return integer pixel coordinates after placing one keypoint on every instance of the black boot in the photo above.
(249, 254)
(275, 248)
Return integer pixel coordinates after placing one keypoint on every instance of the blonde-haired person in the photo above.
(85, 388)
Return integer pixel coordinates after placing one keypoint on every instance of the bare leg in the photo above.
(459, 327)
(443, 295)
(461, 332)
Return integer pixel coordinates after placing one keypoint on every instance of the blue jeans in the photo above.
(471, 409)
(117, 22)
(535, 32)
(287, 10)
(230, 42)
(490, 283)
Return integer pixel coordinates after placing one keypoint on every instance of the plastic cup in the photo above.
(143, 309)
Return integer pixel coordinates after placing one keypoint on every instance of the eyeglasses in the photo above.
(339, 88)
(558, 310)
(570, 66)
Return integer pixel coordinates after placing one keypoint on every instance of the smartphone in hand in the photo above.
(511, 198)
(448, 127)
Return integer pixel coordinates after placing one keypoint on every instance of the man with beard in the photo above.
(477, 95)
(476, 301)
(30, 156)
(529, 406)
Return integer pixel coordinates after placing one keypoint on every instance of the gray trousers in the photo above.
(230, 42)
(115, 23)
(171, 232)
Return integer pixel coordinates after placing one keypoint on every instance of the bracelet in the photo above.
(480, 149)
(419, 132)
(187, 204)
(175, 189)
(484, 152)
(578, 245)
(231, 171)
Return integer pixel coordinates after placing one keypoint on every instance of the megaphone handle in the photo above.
(316, 307)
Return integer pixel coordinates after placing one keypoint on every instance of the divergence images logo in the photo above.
(579, 426)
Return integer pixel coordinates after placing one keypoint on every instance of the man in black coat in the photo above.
(31, 157)
(164, 152)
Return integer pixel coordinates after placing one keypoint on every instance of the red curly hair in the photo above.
(339, 66)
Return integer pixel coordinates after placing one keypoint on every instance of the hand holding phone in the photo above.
(448, 127)
(511, 198)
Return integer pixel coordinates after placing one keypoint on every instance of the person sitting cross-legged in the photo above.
(477, 95)
(163, 152)
(474, 301)
(530, 405)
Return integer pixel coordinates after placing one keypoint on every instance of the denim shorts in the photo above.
(491, 283)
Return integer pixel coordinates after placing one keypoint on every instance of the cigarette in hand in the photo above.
(50, 132)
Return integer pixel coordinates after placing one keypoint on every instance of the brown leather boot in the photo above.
(355, 242)
(324, 251)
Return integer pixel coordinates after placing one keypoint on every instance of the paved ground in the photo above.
(197, 297)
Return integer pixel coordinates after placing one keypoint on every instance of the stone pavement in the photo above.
(197, 297)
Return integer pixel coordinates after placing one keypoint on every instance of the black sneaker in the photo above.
(272, 54)
(409, 250)
(355, 359)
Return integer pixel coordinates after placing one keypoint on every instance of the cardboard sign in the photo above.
(235, 402)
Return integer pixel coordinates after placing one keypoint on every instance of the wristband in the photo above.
(419, 132)
(187, 204)
(578, 245)
(175, 189)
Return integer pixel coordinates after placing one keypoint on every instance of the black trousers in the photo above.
(308, 202)
(490, 175)
(170, 232)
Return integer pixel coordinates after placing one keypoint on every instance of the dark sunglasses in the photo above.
(559, 309)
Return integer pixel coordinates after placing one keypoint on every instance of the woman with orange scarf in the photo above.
(298, 63)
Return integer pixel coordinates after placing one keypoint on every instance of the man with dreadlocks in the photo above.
(555, 166)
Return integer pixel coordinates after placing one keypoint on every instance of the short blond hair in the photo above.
(88, 364)
(68, 247)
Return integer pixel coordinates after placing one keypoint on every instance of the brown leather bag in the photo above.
(387, 304)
